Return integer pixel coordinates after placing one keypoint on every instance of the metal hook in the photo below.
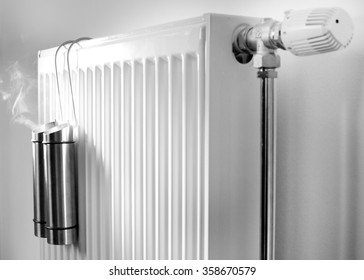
(69, 72)
(55, 64)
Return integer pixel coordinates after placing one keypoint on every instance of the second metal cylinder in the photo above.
(61, 178)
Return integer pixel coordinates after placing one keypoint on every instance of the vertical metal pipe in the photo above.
(267, 85)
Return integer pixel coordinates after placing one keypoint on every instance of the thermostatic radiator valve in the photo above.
(304, 32)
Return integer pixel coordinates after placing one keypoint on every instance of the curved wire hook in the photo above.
(55, 64)
(69, 71)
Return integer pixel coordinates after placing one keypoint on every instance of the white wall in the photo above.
(320, 118)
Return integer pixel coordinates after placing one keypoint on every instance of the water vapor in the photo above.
(18, 88)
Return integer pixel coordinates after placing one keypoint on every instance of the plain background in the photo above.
(320, 119)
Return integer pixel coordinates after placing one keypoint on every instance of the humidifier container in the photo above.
(61, 179)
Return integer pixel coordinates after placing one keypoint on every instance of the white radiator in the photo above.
(168, 150)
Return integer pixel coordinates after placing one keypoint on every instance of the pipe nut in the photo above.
(268, 60)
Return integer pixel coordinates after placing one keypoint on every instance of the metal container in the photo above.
(39, 184)
(61, 178)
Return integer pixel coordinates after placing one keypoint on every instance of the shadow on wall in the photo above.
(320, 157)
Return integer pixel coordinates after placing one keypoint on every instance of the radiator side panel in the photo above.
(234, 146)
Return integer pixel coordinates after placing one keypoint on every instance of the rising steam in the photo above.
(19, 89)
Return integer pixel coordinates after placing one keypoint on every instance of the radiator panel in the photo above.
(162, 114)
(140, 146)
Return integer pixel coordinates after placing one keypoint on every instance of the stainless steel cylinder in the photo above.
(61, 179)
(39, 184)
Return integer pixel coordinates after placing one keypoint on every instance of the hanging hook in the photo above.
(69, 72)
(55, 64)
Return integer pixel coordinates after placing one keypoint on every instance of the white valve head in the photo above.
(303, 32)
(307, 32)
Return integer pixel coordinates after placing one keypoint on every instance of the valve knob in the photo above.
(307, 32)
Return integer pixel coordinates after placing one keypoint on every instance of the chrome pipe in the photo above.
(61, 180)
(268, 156)
(39, 184)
